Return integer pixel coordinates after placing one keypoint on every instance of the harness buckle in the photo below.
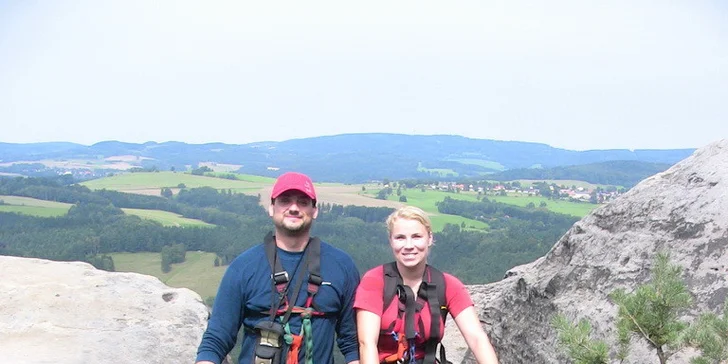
(269, 343)
(279, 277)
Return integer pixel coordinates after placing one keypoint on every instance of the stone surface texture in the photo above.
(70, 312)
(682, 211)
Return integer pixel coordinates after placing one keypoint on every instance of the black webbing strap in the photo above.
(279, 276)
(392, 279)
(280, 279)
(431, 280)
(296, 287)
(314, 270)
(434, 339)
(407, 297)
(432, 290)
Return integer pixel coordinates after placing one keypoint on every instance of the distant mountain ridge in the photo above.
(348, 158)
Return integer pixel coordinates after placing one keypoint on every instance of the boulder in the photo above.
(682, 211)
(70, 312)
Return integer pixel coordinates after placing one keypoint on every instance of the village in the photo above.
(597, 195)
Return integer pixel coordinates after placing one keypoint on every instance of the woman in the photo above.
(381, 326)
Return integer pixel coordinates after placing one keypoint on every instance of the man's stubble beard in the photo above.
(303, 229)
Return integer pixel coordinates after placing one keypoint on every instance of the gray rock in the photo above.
(683, 211)
(70, 312)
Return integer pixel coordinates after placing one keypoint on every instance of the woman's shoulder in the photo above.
(376, 272)
(451, 279)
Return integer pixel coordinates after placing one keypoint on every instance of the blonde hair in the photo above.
(410, 213)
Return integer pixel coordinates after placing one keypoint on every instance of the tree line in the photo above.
(95, 226)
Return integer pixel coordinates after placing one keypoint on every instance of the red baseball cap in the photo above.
(293, 181)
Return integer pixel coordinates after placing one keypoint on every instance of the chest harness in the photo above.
(432, 291)
(274, 334)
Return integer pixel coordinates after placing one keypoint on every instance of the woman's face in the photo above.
(410, 242)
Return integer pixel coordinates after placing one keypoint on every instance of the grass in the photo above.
(166, 218)
(253, 185)
(197, 273)
(33, 206)
(151, 180)
(428, 200)
(578, 209)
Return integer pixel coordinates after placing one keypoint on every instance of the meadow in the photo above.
(44, 208)
(578, 209)
(197, 273)
(166, 218)
(34, 207)
(428, 199)
(152, 182)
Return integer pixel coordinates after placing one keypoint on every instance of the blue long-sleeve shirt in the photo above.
(245, 293)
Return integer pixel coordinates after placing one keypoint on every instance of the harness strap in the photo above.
(280, 284)
(279, 276)
(432, 290)
(435, 337)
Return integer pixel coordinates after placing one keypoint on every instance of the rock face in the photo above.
(683, 211)
(70, 312)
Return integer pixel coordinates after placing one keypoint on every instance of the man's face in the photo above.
(293, 213)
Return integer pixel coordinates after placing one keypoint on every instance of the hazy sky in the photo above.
(571, 74)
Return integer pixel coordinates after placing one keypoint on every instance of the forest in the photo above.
(95, 226)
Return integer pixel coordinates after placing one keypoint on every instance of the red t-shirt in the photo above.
(369, 296)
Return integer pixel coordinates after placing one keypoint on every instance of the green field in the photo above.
(34, 207)
(197, 273)
(578, 209)
(158, 180)
(428, 200)
(166, 218)
(248, 184)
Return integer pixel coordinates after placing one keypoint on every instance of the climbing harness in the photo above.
(274, 334)
(432, 291)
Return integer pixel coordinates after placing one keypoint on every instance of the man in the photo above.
(293, 294)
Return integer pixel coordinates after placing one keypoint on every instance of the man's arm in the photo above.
(224, 324)
(346, 325)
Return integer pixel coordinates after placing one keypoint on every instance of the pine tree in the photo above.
(652, 311)
(709, 334)
(580, 347)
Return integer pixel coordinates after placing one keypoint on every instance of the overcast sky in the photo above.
(572, 74)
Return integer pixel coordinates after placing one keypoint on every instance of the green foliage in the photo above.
(652, 311)
(239, 222)
(201, 171)
(172, 254)
(576, 340)
(101, 261)
(709, 334)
